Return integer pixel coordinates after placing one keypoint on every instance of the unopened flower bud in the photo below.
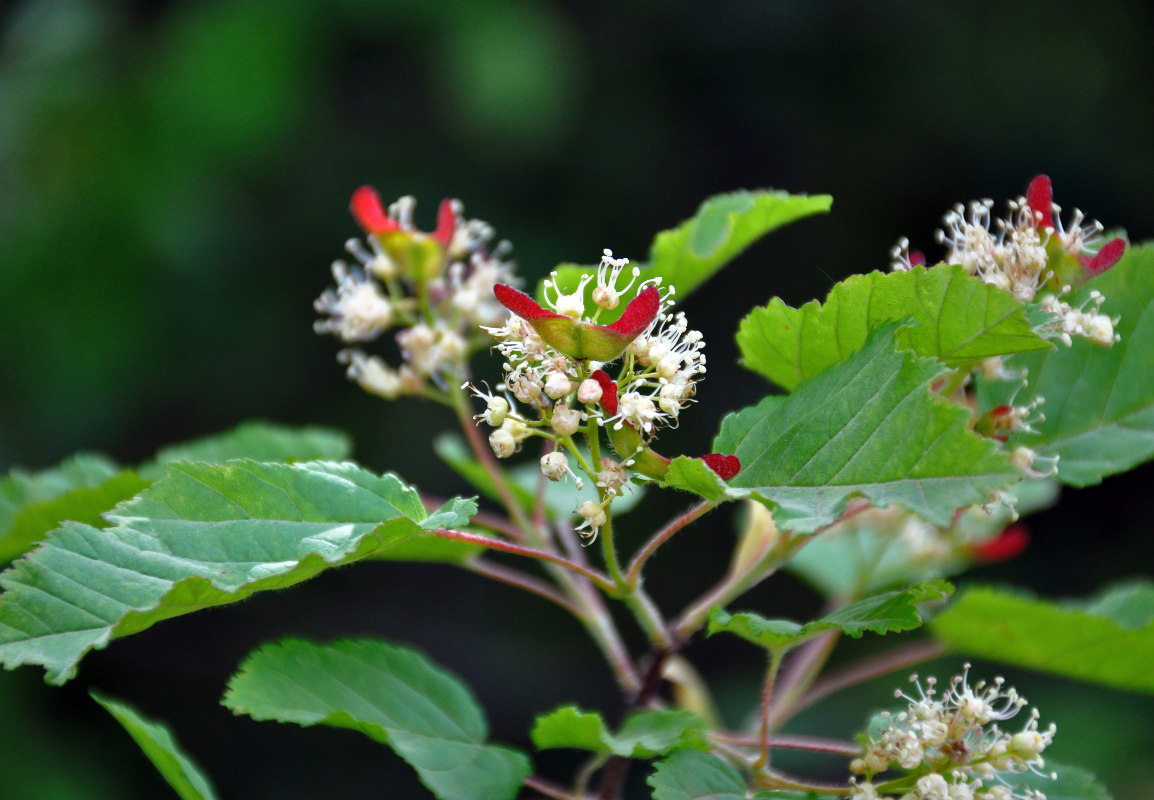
(557, 385)
(503, 443)
(589, 391)
(554, 465)
(566, 421)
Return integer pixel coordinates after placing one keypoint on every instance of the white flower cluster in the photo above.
(1085, 320)
(1013, 253)
(375, 295)
(546, 393)
(951, 746)
(663, 366)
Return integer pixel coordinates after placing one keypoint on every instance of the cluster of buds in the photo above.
(435, 287)
(554, 383)
(1031, 254)
(951, 746)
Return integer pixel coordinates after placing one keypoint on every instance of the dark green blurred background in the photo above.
(174, 180)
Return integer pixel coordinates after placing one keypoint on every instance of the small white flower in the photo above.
(594, 517)
(612, 477)
(606, 294)
(376, 377)
(571, 305)
(638, 410)
(358, 310)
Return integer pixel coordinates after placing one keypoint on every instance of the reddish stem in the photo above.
(633, 574)
(529, 552)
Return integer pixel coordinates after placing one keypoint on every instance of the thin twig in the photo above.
(800, 672)
(487, 519)
(548, 788)
(633, 574)
(898, 658)
(514, 577)
(733, 585)
(776, 779)
(811, 743)
(529, 552)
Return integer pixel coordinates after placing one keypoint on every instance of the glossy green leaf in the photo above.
(866, 426)
(889, 612)
(393, 695)
(158, 743)
(724, 225)
(643, 735)
(1100, 401)
(258, 441)
(1108, 640)
(958, 320)
(202, 536)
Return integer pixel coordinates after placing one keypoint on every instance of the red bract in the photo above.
(725, 466)
(1107, 257)
(446, 223)
(1040, 199)
(608, 391)
(578, 339)
(1005, 545)
(369, 212)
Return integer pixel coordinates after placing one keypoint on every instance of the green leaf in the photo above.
(20, 488)
(258, 441)
(694, 475)
(870, 552)
(202, 536)
(162, 750)
(884, 613)
(1100, 401)
(1109, 640)
(959, 320)
(722, 228)
(866, 426)
(569, 726)
(645, 734)
(84, 502)
(725, 225)
(1072, 783)
(393, 695)
(692, 775)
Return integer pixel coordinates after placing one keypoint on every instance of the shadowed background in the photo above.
(174, 181)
